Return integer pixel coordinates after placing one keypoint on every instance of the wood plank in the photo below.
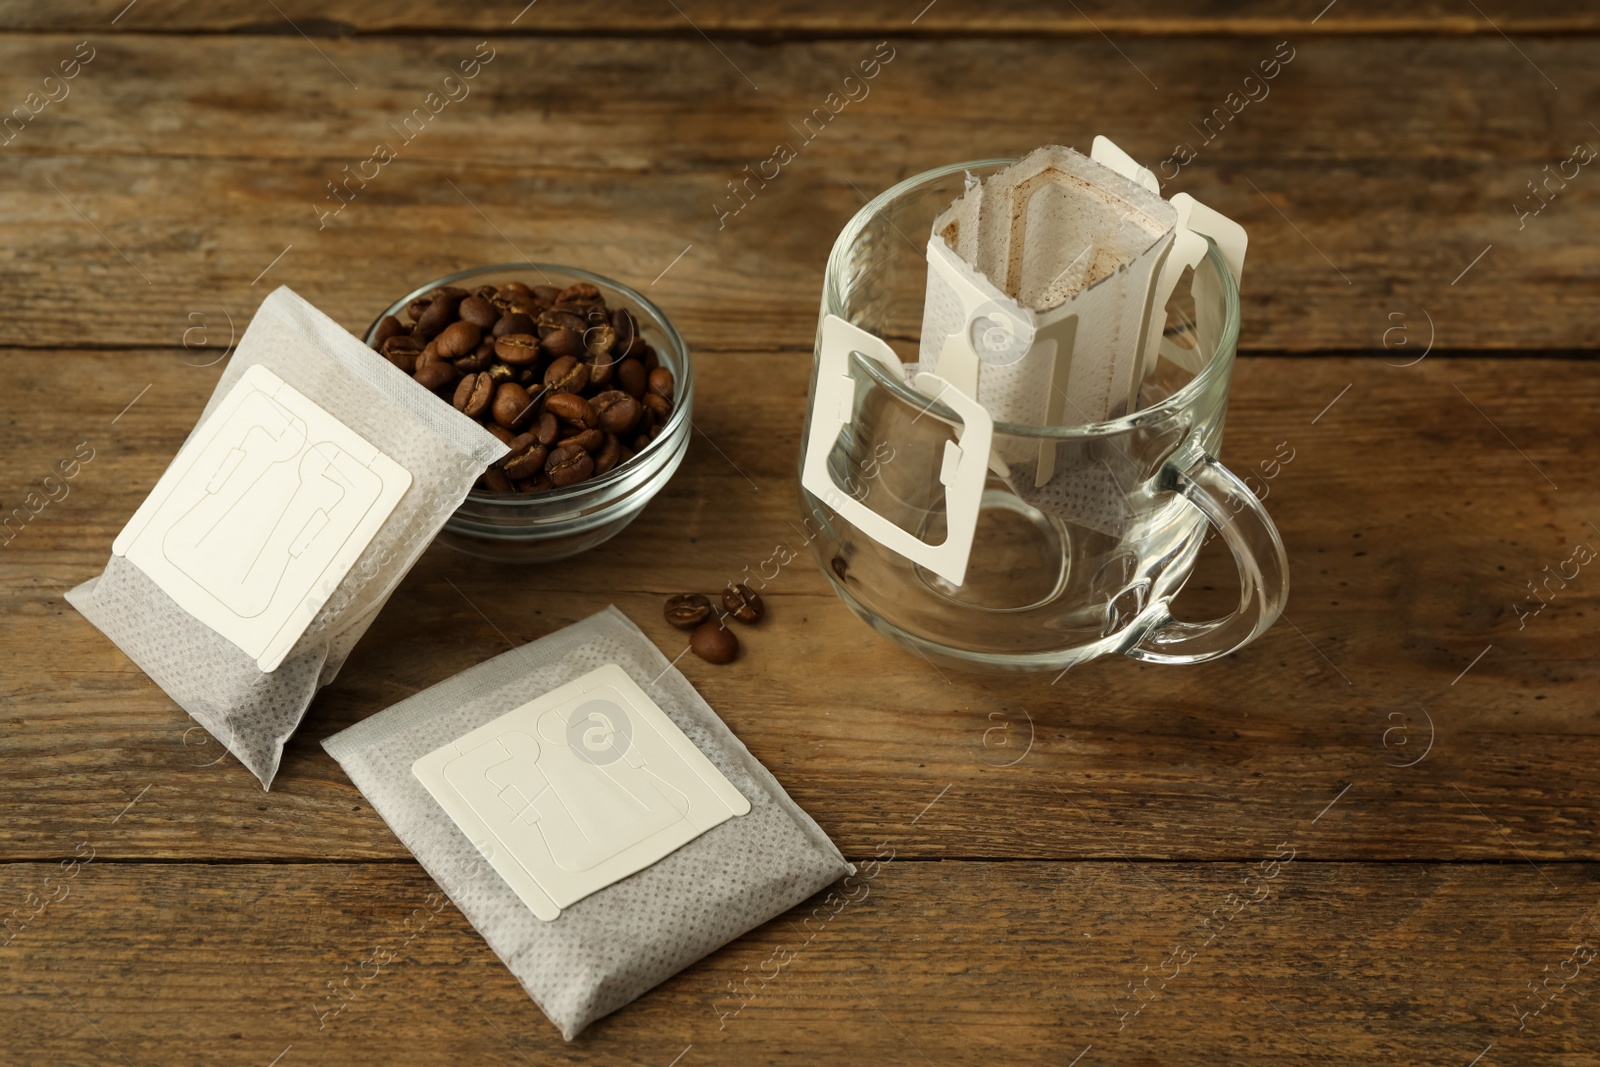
(790, 17)
(1413, 527)
(956, 962)
(105, 194)
(572, 103)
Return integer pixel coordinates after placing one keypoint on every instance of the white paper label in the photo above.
(578, 789)
(262, 514)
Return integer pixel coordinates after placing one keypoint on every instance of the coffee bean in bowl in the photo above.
(507, 354)
(586, 380)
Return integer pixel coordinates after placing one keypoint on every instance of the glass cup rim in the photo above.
(585, 489)
(1218, 365)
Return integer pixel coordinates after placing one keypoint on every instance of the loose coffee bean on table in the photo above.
(688, 610)
(710, 638)
(743, 603)
(714, 642)
(567, 382)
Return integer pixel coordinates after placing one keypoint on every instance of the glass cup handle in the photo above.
(1248, 532)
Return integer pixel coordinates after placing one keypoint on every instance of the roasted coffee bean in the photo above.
(569, 466)
(649, 358)
(657, 405)
(514, 322)
(602, 368)
(687, 610)
(526, 458)
(548, 430)
(505, 435)
(640, 443)
(402, 342)
(714, 643)
(417, 306)
(626, 326)
(473, 394)
(515, 289)
(572, 408)
(388, 327)
(402, 350)
(512, 406)
(406, 361)
(581, 314)
(567, 375)
(632, 378)
(743, 603)
(546, 294)
(436, 375)
(562, 341)
(582, 292)
(501, 372)
(609, 455)
(518, 443)
(478, 359)
(588, 440)
(429, 354)
(479, 312)
(631, 347)
(494, 479)
(463, 394)
(615, 411)
(597, 340)
(661, 383)
(457, 339)
(438, 314)
(558, 319)
(517, 349)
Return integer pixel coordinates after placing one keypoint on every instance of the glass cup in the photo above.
(1085, 566)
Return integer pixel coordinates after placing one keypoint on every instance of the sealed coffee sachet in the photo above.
(589, 814)
(316, 476)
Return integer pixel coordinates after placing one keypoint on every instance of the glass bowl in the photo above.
(524, 528)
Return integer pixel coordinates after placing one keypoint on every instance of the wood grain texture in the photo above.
(783, 18)
(970, 963)
(1420, 739)
(1406, 564)
(1378, 178)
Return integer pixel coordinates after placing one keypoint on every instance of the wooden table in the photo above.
(1418, 737)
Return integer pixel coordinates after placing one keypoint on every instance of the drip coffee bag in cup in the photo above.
(1040, 283)
(317, 474)
(589, 814)
(1047, 294)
